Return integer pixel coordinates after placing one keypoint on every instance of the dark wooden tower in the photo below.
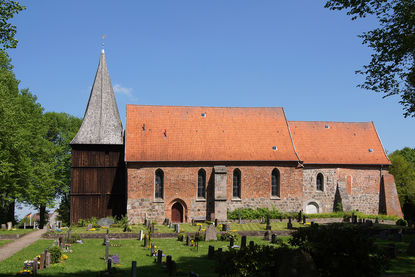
(98, 182)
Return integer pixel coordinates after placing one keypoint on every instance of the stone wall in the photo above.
(360, 185)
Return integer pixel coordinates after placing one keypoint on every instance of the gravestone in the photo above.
(42, 260)
(141, 234)
(267, 236)
(210, 233)
(377, 220)
(3, 227)
(134, 269)
(251, 244)
(268, 227)
(47, 260)
(219, 251)
(153, 249)
(159, 256)
(299, 216)
(243, 242)
(109, 262)
(304, 219)
(231, 242)
(289, 224)
(211, 252)
(106, 239)
(187, 239)
(273, 238)
(9, 225)
(168, 259)
(105, 222)
(145, 241)
(200, 228)
(262, 220)
(226, 227)
(89, 227)
(34, 266)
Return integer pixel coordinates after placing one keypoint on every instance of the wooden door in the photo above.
(177, 212)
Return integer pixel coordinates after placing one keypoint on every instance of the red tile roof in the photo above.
(174, 133)
(321, 142)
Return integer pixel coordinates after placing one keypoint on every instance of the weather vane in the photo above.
(103, 37)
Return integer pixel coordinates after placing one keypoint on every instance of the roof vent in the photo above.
(370, 150)
(274, 148)
(327, 126)
(203, 114)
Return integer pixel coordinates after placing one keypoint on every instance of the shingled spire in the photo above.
(101, 123)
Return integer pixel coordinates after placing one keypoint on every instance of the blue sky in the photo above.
(293, 54)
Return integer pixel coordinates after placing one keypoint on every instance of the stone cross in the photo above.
(109, 265)
(289, 224)
(266, 235)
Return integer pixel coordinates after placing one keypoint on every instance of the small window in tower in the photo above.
(236, 187)
(201, 183)
(159, 184)
(275, 183)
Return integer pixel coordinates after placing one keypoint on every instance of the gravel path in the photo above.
(17, 245)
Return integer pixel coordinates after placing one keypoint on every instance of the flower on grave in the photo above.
(234, 230)
(38, 256)
(25, 272)
(115, 259)
(64, 257)
(155, 246)
(14, 229)
(92, 229)
(198, 224)
(203, 229)
(143, 236)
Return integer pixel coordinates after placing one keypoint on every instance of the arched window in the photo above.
(236, 188)
(275, 183)
(320, 182)
(201, 183)
(159, 184)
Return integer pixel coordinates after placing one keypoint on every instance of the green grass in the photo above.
(5, 241)
(88, 259)
(17, 231)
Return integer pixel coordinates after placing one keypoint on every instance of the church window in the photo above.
(236, 188)
(159, 184)
(320, 182)
(201, 183)
(275, 183)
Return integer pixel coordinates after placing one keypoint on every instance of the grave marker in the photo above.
(251, 244)
(211, 252)
(226, 227)
(107, 250)
(178, 228)
(299, 216)
(145, 240)
(9, 225)
(289, 224)
(159, 256)
(134, 269)
(231, 242)
(268, 227)
(187, 239)
(47, 260)
(267, 235)
(211, 233)
(109, 265)
(42, 260)
(243, 242)
(273, 238)
(89, 227)
(168, 259)
(153, 249)
(34, 266)
(3, 227)
(141, 234)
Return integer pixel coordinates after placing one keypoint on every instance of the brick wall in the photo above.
(297, 189)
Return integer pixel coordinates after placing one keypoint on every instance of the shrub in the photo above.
(55, 254)
(180, 237)
(228, 235)
(199, 236)
(401, 222)
(351, 250)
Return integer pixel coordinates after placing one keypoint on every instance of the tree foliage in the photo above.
(403, 170)
(391, 70)
(7, 30)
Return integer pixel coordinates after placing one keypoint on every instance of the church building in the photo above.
(185, 162)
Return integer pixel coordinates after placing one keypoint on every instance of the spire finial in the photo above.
(103, 37)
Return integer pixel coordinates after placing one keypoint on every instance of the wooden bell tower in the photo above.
(98, 182)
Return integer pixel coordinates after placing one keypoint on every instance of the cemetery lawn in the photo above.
(17, 231)
(87, 259)
(5, 241)
(403, 264)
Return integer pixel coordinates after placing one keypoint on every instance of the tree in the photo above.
(392, 68)
(7, 31)
(403, 170)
